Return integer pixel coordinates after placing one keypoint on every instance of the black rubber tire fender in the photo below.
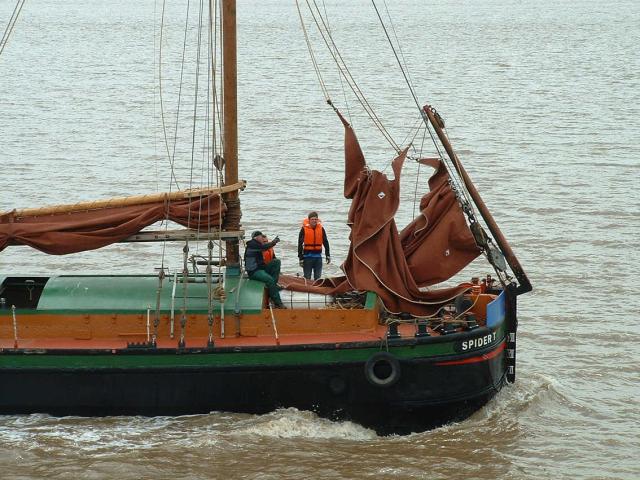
(375, 361)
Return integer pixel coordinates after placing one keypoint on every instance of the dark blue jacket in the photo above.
(253, 259)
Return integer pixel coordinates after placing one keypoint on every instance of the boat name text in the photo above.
(478, 342)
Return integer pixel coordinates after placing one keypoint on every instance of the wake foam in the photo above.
(294, 423)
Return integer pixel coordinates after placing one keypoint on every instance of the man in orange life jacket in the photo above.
(256, 268)
(310, 242)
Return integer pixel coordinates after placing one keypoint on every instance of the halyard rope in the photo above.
(12, 23)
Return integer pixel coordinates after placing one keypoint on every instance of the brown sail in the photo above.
(77, 231)
(437, 243)
(381, 260)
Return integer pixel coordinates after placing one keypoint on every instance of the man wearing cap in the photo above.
(258, 270)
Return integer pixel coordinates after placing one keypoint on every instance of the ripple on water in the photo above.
(545, 121)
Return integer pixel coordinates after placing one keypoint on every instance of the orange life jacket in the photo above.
(268, 255)
(312, 236)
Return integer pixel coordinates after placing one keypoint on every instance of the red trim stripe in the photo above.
(480, 358)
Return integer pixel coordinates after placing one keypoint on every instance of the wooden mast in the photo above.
(525, 285)
(230, 125)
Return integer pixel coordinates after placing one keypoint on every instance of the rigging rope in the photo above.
(402, 69)
(344, 91)
(325, 33)
(415, 192)
(162, 115)
(453, 163)
(159, 66)
(195, 111)
(460, 188)
(323, 87)
(12, 23)
(182, 63)
(213, 39)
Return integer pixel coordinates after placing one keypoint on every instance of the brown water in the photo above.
(542, 101)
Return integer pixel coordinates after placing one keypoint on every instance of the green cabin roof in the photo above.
(135, 293)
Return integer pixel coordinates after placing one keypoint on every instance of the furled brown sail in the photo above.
(434, 247)
(437, 243)
(63, 233)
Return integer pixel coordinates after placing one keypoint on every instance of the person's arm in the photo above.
(268, 245)
(301, 244)
(263, 246)
(325, 242)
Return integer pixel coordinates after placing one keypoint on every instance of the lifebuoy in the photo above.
(382, 369)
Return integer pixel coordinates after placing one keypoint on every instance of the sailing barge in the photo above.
(82, 345)
(387, 347)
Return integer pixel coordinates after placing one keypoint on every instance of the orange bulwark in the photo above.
(86, 312)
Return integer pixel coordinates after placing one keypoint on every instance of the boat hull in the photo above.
(424, 392)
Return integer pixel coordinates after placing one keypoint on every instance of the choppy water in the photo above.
(542, 101)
